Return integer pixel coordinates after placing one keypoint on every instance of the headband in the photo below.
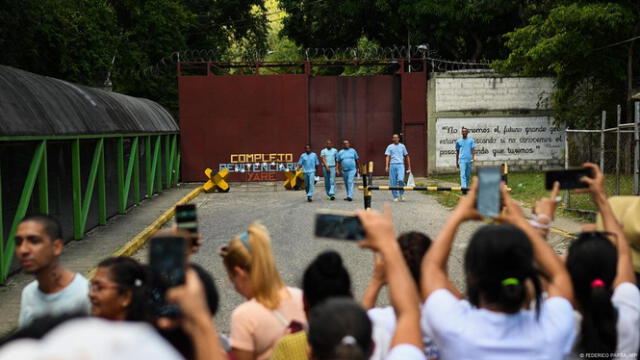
(244, 237)
(510, 281)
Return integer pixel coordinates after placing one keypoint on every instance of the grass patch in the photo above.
(528, 187)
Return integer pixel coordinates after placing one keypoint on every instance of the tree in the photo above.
(457, 29)
(566, 43)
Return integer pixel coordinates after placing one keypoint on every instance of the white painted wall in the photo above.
(514, 140)
(492, 93)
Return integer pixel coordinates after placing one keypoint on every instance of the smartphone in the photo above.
(186, 217)
(167, 260)
(488, 198)
(340, 225)
(568, 179)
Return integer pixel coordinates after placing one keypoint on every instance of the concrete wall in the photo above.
(509, 117)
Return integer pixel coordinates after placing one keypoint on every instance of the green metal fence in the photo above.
(128, 179)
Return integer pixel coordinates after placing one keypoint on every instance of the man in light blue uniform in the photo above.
(308, 162)
(348, 164)
(396, 154)
(328, 157)
(465, 155)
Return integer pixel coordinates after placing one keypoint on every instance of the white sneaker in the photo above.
(395, 199)
(401, 197)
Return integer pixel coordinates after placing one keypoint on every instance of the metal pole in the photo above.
(636, 166)
(604, 126)
(566, 164)
(618, 115)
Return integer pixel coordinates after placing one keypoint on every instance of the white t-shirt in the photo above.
(385, 318)
(464, 332)
(626, 300)
(94, 339)
(73, 298)
(405, 352)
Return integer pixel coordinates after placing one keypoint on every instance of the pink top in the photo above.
(257, 329)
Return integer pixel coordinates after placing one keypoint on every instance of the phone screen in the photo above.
(167, 261)
(186, 217)
(338, 225)
(568, 179)
(488, 199)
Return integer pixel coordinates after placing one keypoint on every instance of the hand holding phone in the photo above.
(569, 179)
(167, 260)
(488, 199)
(340, 225)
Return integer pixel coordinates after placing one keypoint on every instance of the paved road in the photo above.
(290, 220)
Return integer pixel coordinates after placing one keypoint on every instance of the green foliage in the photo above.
(458, 29)
(76, 40)
(565, 43)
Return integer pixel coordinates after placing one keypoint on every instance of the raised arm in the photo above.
(625, 272)
(370, 296)
(402, 291)
(546, 258)
(434, 264)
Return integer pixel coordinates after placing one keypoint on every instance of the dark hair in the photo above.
(210, 290)
(497, 263)
(324, 278)
(51, 225)
(592, 256)
(340, 329)
(414, 245)
(132, 276)
(41, 326)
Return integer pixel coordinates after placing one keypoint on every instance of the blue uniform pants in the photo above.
(329, 180)
(309, 182)
(396, 178)
(465, 173)
(349, 177)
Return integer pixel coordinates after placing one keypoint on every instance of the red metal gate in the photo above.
(257, 125)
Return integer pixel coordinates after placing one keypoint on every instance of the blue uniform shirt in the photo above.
(347, 158)
(465, 146)
(329, 156)
(396, 153)
(309, 162)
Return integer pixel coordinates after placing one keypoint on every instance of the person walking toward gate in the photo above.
(328, 157)
(465, 155)
(348, 164)
(308, 162)
(396, 154)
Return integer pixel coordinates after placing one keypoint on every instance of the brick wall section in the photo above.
(492, 93)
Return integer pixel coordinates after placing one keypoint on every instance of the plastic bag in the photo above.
(411, 182)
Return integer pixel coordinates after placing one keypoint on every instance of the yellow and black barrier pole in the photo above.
(367, 182)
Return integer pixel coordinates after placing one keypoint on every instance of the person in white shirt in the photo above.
(499, 264)
(396, 154)
(414, 246)
(380, 237)
(604, 283)
(56, 290)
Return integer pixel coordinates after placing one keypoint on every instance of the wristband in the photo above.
(538, 225)
(542, 217)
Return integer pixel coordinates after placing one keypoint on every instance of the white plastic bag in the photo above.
(411, 182)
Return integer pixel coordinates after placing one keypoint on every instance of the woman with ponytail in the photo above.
(607, 299)
(271, 307)
(495, 322)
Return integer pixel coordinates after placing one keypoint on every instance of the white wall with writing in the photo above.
(505, 139)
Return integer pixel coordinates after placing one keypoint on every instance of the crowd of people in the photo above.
(522, 299)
